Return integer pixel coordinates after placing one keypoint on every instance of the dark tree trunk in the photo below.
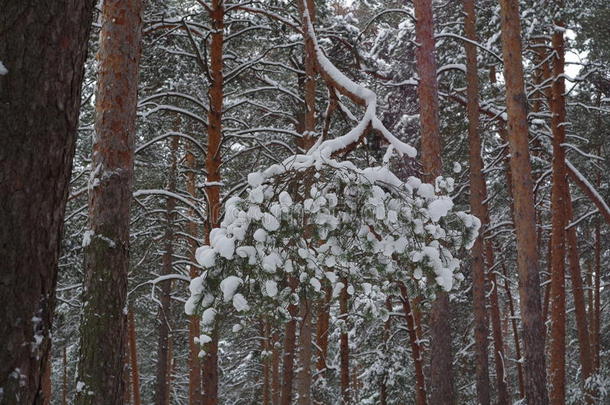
(344, 345)
(44, 49)
(133, 359)
(477, 195)
(162, 387)
(107, 254)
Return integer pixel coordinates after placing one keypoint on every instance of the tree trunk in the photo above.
(289, 347)
(305, 354)
(416, 349)
(275, 370)
(107, 254)
(39, 106)
(441, 358)
(387, 327)
(524, 211)
(266, 363)
(162, 378)
(213, 163)
(194, 364)
(559, 194)
(133, 354)
(344, 345)
(322, 330)
(477, 196)
(513, 321)
(597, 310)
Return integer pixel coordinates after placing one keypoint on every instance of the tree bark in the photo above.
(289, 348)
(133, 354)
(213, 163)
(322, 330)
(275, 370)
(524, 211)
(266, 363)
(477, 196)
(107, 254)
(441, 358)
(162, 386)
(44, 50)
(305, 354)
(194, 364)
(416, 349)
(559, 194)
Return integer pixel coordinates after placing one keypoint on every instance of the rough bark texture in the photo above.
(44, 50)
(559, 194)
(597, 310)
(162, 386)
(107, 254)
(213, 163)
(275, 370)
(441, 358)
(416, 350)
(133, 356)
(266, 363)
(194, 329)
(322, 330)
(524, 211)
(477, 196)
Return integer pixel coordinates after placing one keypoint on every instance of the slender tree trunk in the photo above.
(213, 163)
(441, 358)
(275, 370)
(289, 349)
(387, 327)
(322, 330)
(477, 196)
(524, 211)
(266, 363)
(582, 324)
(47, 387)
(499, 350)
(416, 349)
(162, 379)
(133, 354)
(559, 194)
(64, 388)
(305, 354)
(126, 369)
(194, 365)
(39, 106)
(344, 345)
(598, 314)
(107, 254)
(513, 320)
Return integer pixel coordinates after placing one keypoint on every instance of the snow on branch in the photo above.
(358, 94)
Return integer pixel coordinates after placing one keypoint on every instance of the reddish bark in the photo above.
(133, 355)
(524, 211)
(213, 163)
(597, 310)
(513, 320)
(275, 371)
(416, 349)
(441, 359)
(477, 196)
(289, 350)
(322, 330)
(266, 343)
(305, 354)
(194, 329)
(43, 47)
(559, 193)
(107, 255)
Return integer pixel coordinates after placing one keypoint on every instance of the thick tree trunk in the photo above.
(194, 364)
(39, 106)
(107, 254)
(162, 386)
(416, 349)
(441, 358)
(213, 163)
(133, 355)
(344, 345)
(524, 211)
(559, 194)
(477, 196)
